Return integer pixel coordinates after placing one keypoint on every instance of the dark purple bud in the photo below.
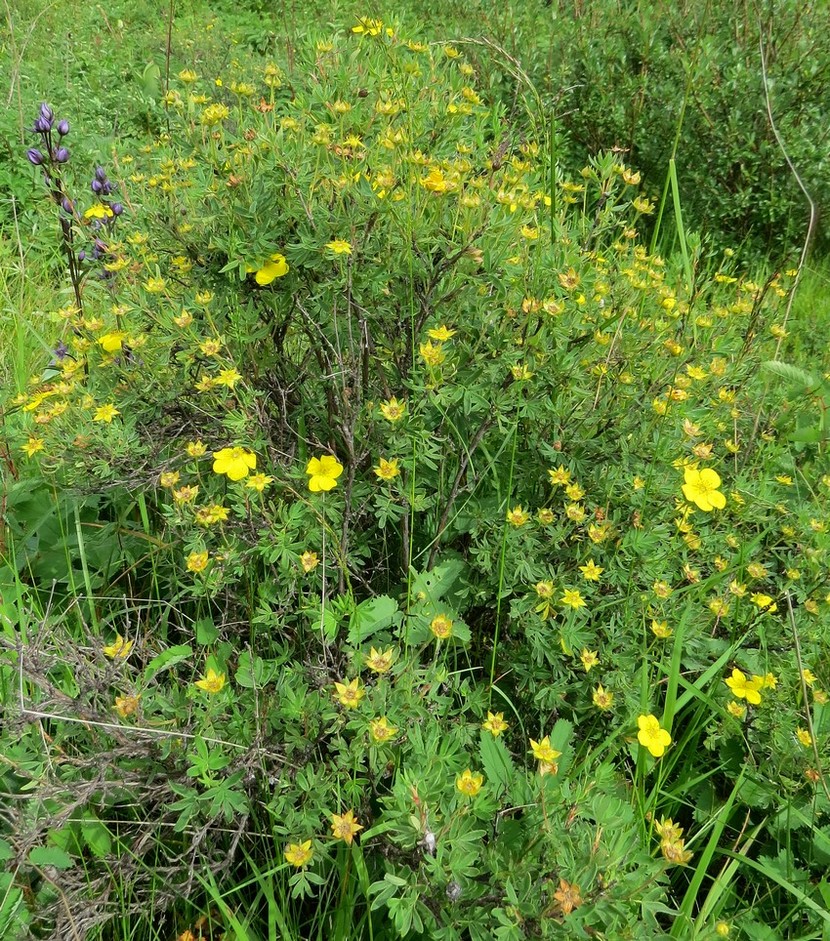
(42, 127)
(47, 113)
(61, 351)
(117, 209)
(63, 127)
(61, 155)
(100, 174)
(106, 188)
(97, 186)
(66, 205)
(81, 255)
(101, 246)
(35, 156)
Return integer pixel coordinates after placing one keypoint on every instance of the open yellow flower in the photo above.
(544, 751)
(340, 247)
(744, 688)
(469, 783)
(349, 694)
(651, 736)
(323, 473)
(381, 730)
(211, 682)
(119, 649)
(701, 488)
(345, 827)
(299, 855)
(495, 723)
(275, 267)
(234, 463)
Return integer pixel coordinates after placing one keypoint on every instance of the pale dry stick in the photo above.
(807, 712)
(813, 212)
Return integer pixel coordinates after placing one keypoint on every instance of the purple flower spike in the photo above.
(61, 155)
(61, 351)
(34, 156)
(63, 127)
(66, 205)
(47, 113)
(100, 174)
(81, 255)
(42, 127)
(117, 209)
(97, 187)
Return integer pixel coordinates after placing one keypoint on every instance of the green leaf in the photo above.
(50, 856)
(167, 659)
(496, 761)
(6, 851)
(792, 374)
(371, 616)
(96, 835)
(433, 585)
(206, 631)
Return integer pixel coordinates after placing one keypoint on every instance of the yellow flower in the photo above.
(808, 676)
(32, 446)
(323, 473)
(340, 247)
(208, 515)
(126, 705)
(542, 751)
(469, 783)
(227, 377)
(495, 723)
(195, 448)
(441, 626)
(258, 482)
(105, 413)
(119, 649)
(380, 662)
(432, 355)
(213, 114)
(603, 698)
(574, 491)
(701, 488)
(197, 561)
(275, 267)
(155, 285)
(169, 479)
(345, 827)
(387, 470)
(589, 659)
(185, 494)
(559, 477)
(545, 516)
(442, 333)
(517, 516)
(234, 463)
(212, 682)
(655, 739)
(349, 694)
(804, 737)
(744, 688)
(393, 410)
(734, 708)
(764, 602)
(188, 76)
(111, 342)
(368, 27)
(573, 599)
(380, 729)
(299, 855)
(309, 561)
(661, 629)
(591, 571)
(98, 211)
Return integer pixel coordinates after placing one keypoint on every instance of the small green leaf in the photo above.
(167, 659)
(50, 856)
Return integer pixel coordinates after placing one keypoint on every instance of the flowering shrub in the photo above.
(464, 515)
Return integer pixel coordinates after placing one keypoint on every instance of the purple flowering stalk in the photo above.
(51, 156)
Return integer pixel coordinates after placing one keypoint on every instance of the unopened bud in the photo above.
(63, 127)
(61, 155)
(34, 156)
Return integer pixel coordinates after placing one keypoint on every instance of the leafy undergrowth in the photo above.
(397, 546)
